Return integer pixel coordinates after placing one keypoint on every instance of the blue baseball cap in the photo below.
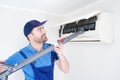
(32, 24)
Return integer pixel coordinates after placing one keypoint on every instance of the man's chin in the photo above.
(45, 39)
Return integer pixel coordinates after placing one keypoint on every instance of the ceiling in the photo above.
(58, 7)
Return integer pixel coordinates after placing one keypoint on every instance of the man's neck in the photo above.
(37, 46)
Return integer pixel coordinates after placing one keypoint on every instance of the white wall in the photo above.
(95, 61)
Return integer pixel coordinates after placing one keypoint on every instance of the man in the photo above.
(42, 68)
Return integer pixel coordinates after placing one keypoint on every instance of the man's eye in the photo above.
(39, 28)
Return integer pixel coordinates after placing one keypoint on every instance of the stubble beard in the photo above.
(44, 38)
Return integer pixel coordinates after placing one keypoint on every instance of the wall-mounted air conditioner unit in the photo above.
(98, 28)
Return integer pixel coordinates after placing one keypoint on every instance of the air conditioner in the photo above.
(102, 28)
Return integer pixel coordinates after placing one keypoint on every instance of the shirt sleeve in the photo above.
(55, 55)
(13, 59)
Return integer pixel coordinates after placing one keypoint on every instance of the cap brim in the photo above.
(42, 23)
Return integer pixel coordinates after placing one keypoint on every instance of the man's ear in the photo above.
(29, 36)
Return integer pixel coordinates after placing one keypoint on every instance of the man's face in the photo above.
(39, 34)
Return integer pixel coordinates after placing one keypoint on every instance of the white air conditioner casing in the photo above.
(103, 30)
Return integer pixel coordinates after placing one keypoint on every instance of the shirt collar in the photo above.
(33, 50)
(29, 47)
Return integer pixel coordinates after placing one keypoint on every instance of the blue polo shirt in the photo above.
(45, 60)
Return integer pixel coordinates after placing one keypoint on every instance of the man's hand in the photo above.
(59, 49)
(3, 67)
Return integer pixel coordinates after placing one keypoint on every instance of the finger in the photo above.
(58, 50)
(60, 46)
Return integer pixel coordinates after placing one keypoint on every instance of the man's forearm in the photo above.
(63, 63)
